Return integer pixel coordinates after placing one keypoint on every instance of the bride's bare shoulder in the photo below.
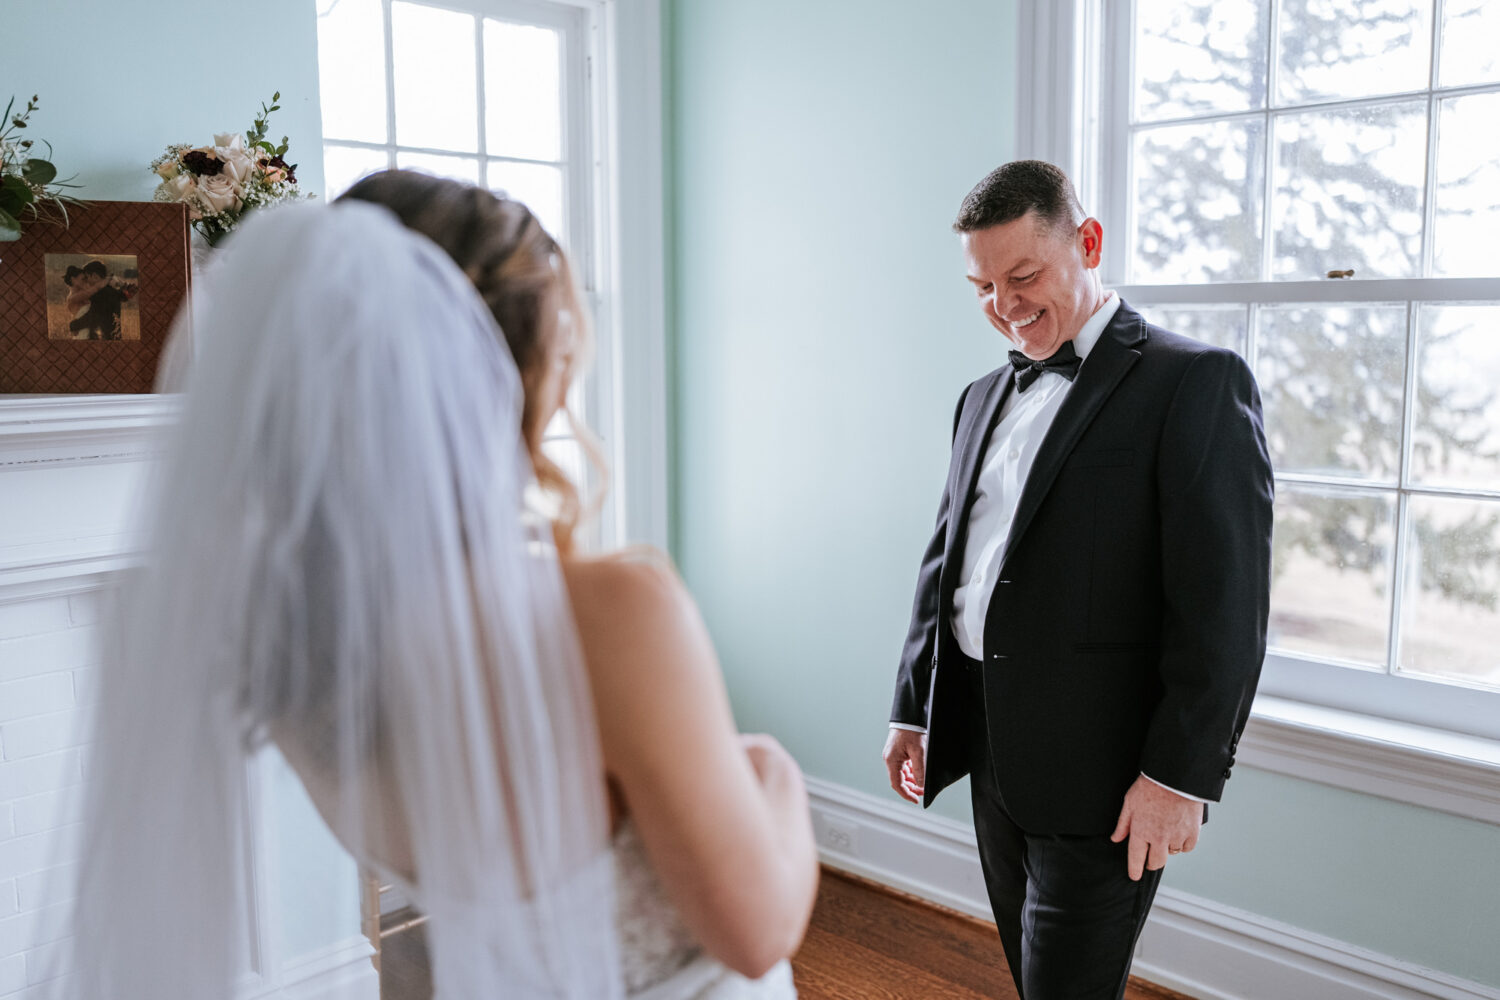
(631, 589)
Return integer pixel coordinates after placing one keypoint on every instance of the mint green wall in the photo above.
(120, 79)
(823, 334)
(822, 331)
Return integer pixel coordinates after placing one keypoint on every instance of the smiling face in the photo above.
(1037, 283)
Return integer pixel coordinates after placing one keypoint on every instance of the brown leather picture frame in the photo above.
(137, 252)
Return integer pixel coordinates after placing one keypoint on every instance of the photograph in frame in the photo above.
(92, 297)
(87, 307)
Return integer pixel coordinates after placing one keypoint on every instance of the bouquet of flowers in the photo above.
(222, 182)
(29, 188)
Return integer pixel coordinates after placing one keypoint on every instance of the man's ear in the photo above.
(1091, 241)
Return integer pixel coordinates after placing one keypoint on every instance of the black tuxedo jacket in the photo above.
(1128, 622)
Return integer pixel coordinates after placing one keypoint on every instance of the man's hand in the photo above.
(906, 760)
(1158, 822)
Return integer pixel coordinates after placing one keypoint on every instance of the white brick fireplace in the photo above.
(70, 472)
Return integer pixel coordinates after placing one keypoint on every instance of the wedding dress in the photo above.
(658, 955)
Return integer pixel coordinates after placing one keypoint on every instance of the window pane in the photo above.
(1349, 191)
(437, 105)
(1470, 53)
(1333, 380)
(1220, 325)
(568, 454)
(1456, 439)
(1353, 48)
(343, 165)
(539, 188)
(1198, 195)
(1468, 187)
(1450, 610)
(1331, 572)
(1195, 56)
(351, 70)
(459, 168)
(522, 91)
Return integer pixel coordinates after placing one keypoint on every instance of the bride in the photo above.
(344, 560)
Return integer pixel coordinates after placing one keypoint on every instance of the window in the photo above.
(1245, 150)
(500, 93)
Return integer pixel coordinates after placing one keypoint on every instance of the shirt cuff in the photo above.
(1167, 787)
(909, 728)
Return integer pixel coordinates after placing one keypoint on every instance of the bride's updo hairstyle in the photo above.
(525, 279)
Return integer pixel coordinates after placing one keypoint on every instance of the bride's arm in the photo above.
(725, 822)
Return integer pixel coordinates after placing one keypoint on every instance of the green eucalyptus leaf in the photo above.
(10, 229)
(40, 171)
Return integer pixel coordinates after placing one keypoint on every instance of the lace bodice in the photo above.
(661, 960)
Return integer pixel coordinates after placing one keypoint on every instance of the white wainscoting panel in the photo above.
(1193, 945)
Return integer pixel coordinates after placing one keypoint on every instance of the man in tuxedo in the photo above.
(1090, 615)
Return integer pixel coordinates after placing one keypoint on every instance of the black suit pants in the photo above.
(1068, 914)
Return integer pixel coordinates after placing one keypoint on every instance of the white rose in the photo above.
(183, 187)
(228, 140)
(218, 193)
(237, 165)
(168, 169)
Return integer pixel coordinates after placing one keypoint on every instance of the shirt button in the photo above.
(1015, 453)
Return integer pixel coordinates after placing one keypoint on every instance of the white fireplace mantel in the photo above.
(71, 473)
(46, 429)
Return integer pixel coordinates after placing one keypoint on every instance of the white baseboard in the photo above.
(1214, 952)
(1193, 945)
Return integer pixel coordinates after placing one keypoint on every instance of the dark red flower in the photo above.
(203, 164)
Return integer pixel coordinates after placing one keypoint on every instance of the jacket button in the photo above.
(1226, 772)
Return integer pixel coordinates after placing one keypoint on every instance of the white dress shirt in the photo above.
(1024, 421)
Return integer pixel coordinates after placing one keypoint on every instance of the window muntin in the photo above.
(1247, 148)
(491, 92)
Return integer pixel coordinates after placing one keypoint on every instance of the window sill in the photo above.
(1449, 772)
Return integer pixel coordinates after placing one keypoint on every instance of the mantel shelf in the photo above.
(51, 429)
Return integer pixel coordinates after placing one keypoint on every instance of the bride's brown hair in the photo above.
(525, 279)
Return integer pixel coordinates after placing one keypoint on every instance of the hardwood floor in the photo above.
(866, 942)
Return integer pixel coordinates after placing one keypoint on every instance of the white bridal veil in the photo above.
(336, 560)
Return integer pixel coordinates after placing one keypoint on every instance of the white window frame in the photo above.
(1437, 743)
(612, 58)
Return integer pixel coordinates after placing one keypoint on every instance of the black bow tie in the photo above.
(1064, 362)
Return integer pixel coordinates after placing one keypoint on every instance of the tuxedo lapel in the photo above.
(1113, 355)
(972, 440)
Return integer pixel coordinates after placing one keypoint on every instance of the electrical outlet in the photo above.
(840, 837)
